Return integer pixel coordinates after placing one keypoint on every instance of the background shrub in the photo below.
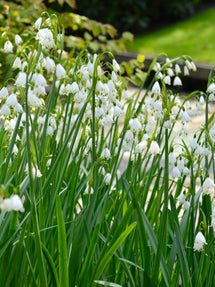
(136, 15)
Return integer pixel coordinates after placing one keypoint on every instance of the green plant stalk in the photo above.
(163, 225)
(206, 200)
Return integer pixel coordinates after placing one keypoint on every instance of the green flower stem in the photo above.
(163, 225)
(206, 200)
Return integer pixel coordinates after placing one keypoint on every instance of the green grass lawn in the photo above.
(194, 37)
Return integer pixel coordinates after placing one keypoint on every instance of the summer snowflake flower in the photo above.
(12, 100)
(167, 80)
(21, 79)
(116, 66)
(181, 198)
(38, 23)
(135, 125)
(154, 148)
(107, 178)
(176, 172)
(172, 159)
(186, 71)
(12, 203)
(141, 147)
(45, 38)
(17, 63)
(177, 69)
(199, 241)
(211, 88)
(156, 89)
(8, 47)
(127, 95)
(60, 72)
(177, 81)
(207, 185)
(49, 65)
(106, 154)
(185, 118)
(3, 93)
(18, 40)
(5, 110)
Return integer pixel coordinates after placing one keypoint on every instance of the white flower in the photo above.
(45, 38)
(116, 66)
(186, 71)
(207, 185)
(106, 154)
(172, 159)
(8, 47)
(170, 72)
(154, 148)
(185, 118)
(3, 93)
(12, 203)
(117, 111)
(167, 80)
(39, 80)
(21, 79)
(87, 191)
(5, 110)
(135, 125)
(141, 147)
(60, 72)
(38, 23)
(181, 198)
(18, 40)
(193, 144)
(107, 178)
(35, 171)
(177, 81)
(17, 63)
(211, 97)
(127, 95)
(156, 88)
(49, 64)
(183, 130)
(129, 136)
(201, 100)
(211, 88)
(11, 100)
(74, 87)
(156, 67)
(33, 100)
(177, 69)
(49, 131)
(176, 172)
(102, 170)
(199, 242)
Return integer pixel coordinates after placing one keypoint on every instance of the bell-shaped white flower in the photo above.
(141, 147)
(107, 178)
(38, 23)
(154, 148)
(12, 203)
(106, 154)
(45, 38)
(211, 88)
(18, 40)
(3, 93)
(177, 81)
(60, 72)
(8, 47)
(199, 242)
(156, 89)
(116, 66)
(207, 185)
